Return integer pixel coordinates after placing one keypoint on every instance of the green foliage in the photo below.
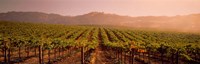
(53, 36)
(186, 56)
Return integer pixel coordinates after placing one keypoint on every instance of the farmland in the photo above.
(66, 44)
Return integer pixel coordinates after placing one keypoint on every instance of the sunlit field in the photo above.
(49, 43)
(99, 32)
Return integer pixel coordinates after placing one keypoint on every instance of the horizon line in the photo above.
(104, 13)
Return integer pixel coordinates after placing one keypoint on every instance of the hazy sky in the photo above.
(121, 7)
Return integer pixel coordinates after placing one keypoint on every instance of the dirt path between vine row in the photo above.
(101, 56)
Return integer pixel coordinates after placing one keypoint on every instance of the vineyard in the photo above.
(29, 43)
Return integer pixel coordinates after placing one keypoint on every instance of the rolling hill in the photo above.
(184, 23)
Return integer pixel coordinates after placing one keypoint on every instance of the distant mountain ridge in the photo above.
(185, 23)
